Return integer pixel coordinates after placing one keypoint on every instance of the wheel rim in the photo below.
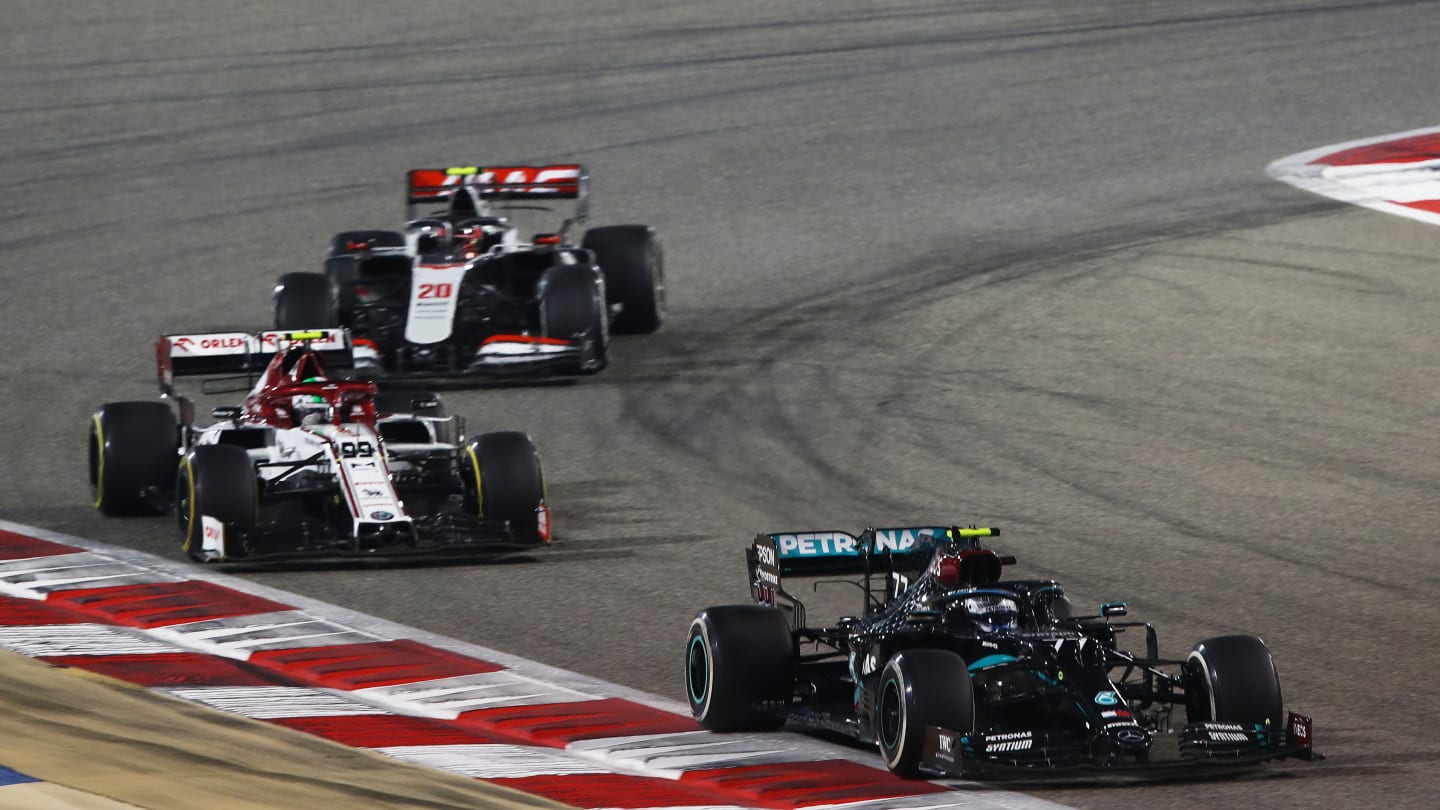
(889, 712)
(697, 670)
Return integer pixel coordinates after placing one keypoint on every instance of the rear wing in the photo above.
(773, 557)
(560, 182)
(235, 353)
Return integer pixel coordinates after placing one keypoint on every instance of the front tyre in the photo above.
(305, 301)
(132, 452)
(216, 481)
(1232, 679)
(633, 261)
(736, 657)
(572, 308)
(504, 482)
(920, 688)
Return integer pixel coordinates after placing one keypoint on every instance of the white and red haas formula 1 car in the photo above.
(465, 289)
(308, 466)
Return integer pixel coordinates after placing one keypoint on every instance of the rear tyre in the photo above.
(572, 309)
(305, 301)
(133, 448)
(633, 261)
(218, 481)
(920, 688)
(504, 482)
(1233, 680)
(738, 656)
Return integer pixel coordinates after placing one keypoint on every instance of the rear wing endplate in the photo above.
(224, 353)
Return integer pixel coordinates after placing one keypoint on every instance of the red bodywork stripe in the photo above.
(544, 341)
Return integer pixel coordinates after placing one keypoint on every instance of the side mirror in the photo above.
(424, 403)
(1112, 609)
(230, 412)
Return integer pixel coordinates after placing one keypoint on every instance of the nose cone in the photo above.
(1128, 737)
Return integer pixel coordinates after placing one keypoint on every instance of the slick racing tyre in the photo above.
(133, 447)
(504, 482)
(920, 688)
(633, 261)
(218, 481)
(1234, 681)
(341, 270)
(571, 308)
(347, 242)
(738, 656)
(305, 301)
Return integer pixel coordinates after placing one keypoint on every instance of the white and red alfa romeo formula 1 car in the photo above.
(309, 466)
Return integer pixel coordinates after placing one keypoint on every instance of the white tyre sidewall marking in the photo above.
(892, 668)
(1209, 680)
(709, 648)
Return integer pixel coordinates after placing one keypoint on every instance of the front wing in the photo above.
(442, 536)
(1201, 745)
(497, 356)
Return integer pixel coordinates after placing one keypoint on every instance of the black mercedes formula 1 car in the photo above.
(468, 289)
(951, 670)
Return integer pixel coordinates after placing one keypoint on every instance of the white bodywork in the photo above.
(354, 453)
(434, 293)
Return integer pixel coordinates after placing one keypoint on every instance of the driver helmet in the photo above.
(992, 613)
(310, 409)
(477, 236)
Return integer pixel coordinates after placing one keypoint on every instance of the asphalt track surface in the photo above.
(1012, 263)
